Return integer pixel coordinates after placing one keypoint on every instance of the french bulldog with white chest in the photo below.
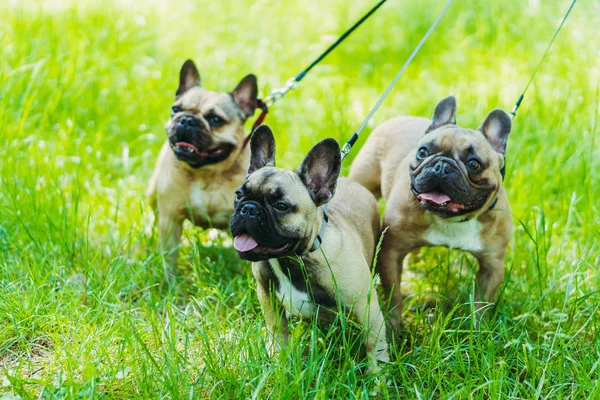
(203, 160)
(306, 259)
(443, 187)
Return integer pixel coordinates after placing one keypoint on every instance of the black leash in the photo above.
(301, 75)
(348, 146)
(513, 113)
(277, 94)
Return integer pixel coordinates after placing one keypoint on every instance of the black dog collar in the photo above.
(491, 208)
(319, 239)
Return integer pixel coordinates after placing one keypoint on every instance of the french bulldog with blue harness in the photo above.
(443, 187)
(311, 237)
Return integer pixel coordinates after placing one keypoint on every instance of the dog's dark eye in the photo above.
(238, 195)
(282, 206)
(422, 153)
(215, 121)
(473, 164)
(175, 110)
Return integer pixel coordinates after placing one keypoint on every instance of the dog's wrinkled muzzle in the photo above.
(254, 234)
(187, 130)
(193, 144)
(251, 218)
(444, 179)
(442, 187)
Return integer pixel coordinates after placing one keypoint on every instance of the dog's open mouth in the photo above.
(439, 202)
(246, 244)
(187, 148)
(192, 155)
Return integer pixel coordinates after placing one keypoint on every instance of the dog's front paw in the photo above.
(397, 324)
(380, 386)
(379, 359)
(273, 347)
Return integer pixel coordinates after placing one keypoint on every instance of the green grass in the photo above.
(84, 92)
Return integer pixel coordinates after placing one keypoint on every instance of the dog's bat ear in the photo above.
(496, 128)
(445, 113)
(188, 78)
(245, 95)
(320, 170)
(262, 149)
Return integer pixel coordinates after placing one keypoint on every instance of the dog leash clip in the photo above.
(346, 150)
(348, 145)
(277, 94)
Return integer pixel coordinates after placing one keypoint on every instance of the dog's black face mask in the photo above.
(443, 186)
(457, 171)
(192, 142)
(276, 210)
(206, 127)
(257, 229)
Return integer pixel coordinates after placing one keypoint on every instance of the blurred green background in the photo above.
(85, 89)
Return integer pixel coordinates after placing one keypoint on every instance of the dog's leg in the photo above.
(389, 267)
(489, 278)
(275, 320)
(369, 314)
(169, 230)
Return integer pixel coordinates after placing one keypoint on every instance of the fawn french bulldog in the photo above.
(203, 160)
(311, 237)
(443, 187)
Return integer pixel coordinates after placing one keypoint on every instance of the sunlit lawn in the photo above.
(85, 89)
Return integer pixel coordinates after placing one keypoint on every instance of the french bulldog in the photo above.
(204, 159)
(311, 251)
(443, 186)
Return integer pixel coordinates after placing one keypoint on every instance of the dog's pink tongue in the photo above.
(244, 242)
(435, 197)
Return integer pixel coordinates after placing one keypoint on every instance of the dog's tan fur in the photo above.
(341, 268)
(383, 166)
(201, 195)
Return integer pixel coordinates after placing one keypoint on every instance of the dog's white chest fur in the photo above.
(455, 235)
(197, 198)
(210, 206)
(293, 300)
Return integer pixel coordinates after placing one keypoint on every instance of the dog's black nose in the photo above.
(249, 210)
(188, 121)
(441, 168)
